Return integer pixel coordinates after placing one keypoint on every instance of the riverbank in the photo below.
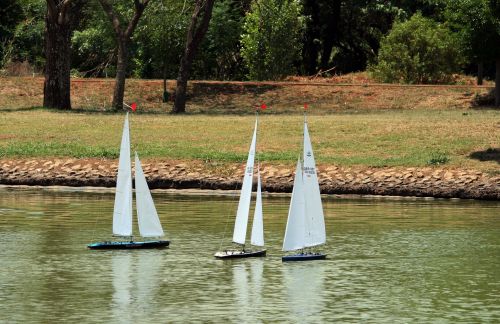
(418, 140)
(175, 174)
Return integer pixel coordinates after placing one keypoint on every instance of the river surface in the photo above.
(390, 260)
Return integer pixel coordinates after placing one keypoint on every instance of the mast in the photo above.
(240, 225)
(122, 212)
(295, 233)
(314, 218)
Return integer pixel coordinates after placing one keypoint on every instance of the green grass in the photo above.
(374, 139)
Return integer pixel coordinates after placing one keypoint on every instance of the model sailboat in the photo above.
(305, 227)
(149, 223)
(240, 225)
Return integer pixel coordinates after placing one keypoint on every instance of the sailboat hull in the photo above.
(124, 245)
(234, 254)
(303, 257)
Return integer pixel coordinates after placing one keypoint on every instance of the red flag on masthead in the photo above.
(133, 106)
(263, 106)
(305, 106)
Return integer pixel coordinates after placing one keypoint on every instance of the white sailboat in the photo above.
(241, 222)
(305, 227)
(149, 223)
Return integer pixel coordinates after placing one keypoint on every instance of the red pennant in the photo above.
(305, 106)
(263, 106)
(133, 106)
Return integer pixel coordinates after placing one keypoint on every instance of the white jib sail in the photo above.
(122, 212)
(315, 222)
(294, 233)
(149, 223)
(257, 237)
(240, 225)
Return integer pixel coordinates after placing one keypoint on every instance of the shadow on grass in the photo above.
(22, 109)
(490, 154)
(87, 111)
(484, 101)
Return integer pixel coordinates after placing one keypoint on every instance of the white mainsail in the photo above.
(295, 232)
(315, 222)
(122, 212)
(240, 225)
(149, 223)
(257, 237)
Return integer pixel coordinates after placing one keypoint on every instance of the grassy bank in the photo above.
(409, 138)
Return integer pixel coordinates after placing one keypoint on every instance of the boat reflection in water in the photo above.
(305, 285)
(247, 283)
(135, 281)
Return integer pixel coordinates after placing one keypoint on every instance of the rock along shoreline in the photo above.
(418, 182)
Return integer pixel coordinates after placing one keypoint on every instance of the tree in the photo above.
(271, 40)
(221, 57)
(495, 10)
(161, 41)
(478, 24)
(418, 51)
(61, 17)
(199, 25)
(93, 45)
(122, 36)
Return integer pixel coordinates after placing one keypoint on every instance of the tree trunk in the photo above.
(311, 49)
(497, 83)
(181, 88)
(195, 35)
(122, 37)
(56, 88)
(165, 90)
(480, 73)
(331, 34)
(121, 71)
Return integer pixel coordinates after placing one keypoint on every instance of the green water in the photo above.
(390, 260)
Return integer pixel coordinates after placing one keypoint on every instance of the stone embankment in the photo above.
(421, 182)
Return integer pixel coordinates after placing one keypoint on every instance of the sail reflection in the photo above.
(247, 283)
(304, 284)
(135, 283)
(122, 284)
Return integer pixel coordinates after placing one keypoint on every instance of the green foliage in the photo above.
(220, 52)
(271, 40)
(361, 26)
(25, 41)
(160, 38)
(93, 45)
(93, 50)
(438, 158)
(418, 51)
(11, 13)
(477, 22)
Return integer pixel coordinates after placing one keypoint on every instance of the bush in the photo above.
(438, 158)
(418, 51)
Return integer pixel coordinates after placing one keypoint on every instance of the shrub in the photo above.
(418, 50)
(438, 158)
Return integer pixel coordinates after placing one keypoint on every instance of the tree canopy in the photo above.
(250, 39)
